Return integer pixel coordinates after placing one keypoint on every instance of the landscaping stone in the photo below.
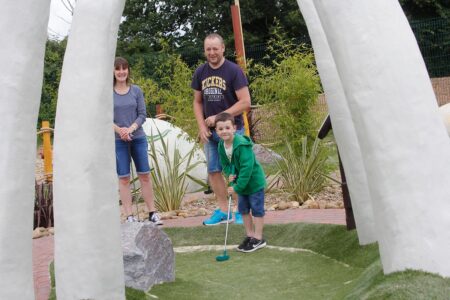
(265, 155)
(282, 205)
(294, 204)
(147, 255)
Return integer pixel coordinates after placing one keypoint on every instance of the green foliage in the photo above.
(170, 86)
(169, 178)
(54, 55)
(302, 174)
(185, 23)
(420, 9)
(289, 86)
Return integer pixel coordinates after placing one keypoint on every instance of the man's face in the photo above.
(214, 50)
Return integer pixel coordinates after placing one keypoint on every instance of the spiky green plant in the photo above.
(302, 174)
(170, 182)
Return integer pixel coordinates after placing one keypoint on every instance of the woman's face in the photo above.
(121, 74)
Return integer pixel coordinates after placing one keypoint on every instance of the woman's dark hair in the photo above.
(121, 62)
(223, 117)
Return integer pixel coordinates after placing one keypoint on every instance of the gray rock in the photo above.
(265, 155)
(147, 255)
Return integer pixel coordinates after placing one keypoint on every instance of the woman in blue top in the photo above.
(131, 141)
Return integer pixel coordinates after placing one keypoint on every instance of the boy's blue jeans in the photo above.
(253, 202)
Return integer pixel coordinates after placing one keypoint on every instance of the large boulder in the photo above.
(147, 255)
(176, 137)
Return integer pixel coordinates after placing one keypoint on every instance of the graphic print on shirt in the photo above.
(213, 89)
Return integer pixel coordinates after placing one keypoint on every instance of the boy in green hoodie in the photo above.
(247, 179)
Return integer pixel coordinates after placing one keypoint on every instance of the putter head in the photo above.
(223, 257)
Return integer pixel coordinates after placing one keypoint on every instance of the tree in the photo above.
(54, 54)
(185, 23)
(423, 9)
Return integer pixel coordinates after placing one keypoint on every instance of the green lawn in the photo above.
(333, 267)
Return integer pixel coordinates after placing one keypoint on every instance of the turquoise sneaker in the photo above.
(218, 217)
(238, 218)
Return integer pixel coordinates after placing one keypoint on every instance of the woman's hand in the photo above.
(125, 134)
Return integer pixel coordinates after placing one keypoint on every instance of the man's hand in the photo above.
(204, 133)
(210, 121)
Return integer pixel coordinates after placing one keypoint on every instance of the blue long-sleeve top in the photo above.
(129, 108)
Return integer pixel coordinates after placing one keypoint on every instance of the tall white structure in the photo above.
(23, 32)
(343, 126)
(88, 252)
(404, 144)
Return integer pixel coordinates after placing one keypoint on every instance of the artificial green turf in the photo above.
(265, 274)
(338, 268)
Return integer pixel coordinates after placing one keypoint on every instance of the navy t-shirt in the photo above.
(218, 87)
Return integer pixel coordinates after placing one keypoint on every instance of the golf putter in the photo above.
(225, 256)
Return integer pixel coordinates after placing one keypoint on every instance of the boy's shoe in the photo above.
(155, 219)
(131, 219)
(218, 217)
(244, 244)
(238, 218)
(254, 244)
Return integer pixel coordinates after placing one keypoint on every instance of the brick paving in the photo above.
(43, 247)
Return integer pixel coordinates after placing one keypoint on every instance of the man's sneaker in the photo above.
(218, 217)
(254, 244)
(238, 218)
(244, 244)
(155, 219)
(131, 219)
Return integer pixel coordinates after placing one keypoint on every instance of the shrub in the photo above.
(289, 87)
(303, 175)
(169, 179)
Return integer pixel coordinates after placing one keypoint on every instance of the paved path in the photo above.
(43, 247)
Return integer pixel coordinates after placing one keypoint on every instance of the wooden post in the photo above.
(240, 49)
(48, 164)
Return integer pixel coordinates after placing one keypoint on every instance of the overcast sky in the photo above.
(60, 18)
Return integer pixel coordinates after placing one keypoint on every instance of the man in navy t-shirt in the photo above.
(219, 85)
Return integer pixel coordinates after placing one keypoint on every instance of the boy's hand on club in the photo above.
(230, 190)
(231, 178)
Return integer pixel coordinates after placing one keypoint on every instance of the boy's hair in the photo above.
(223, 117)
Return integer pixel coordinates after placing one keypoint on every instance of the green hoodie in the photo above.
(250, 176)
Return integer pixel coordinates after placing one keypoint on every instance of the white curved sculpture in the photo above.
(176, 137)
(404, 145)
(88, 251)
(343, 127)
(23, 32)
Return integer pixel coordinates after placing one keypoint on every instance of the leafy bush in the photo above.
(303, 175)
(289, 87)
(169, 179)
(172, 90)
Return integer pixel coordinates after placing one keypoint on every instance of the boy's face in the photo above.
(225, 130)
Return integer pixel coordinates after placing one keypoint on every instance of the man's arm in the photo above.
(243, 104)
(203, 129)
